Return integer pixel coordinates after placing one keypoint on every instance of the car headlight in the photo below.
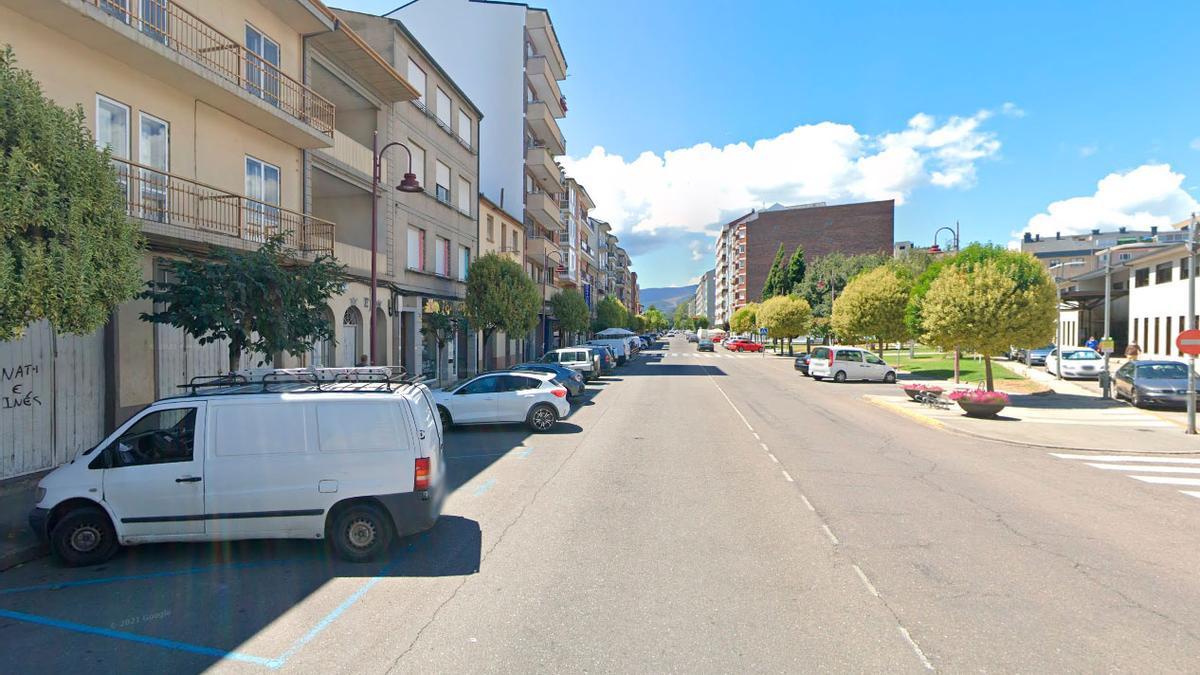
(39, 495)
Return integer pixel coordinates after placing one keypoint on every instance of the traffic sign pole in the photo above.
(1191, 389)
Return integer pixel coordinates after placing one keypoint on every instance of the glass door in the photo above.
(262, 65)
(153, 152)
(262, 206)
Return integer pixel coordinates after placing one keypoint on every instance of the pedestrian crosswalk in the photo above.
(1177, 472)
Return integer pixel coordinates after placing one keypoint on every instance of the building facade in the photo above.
(704, 301)
(501, 233)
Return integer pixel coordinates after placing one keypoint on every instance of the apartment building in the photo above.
(429, 238)
(1158, 299)
(501, 233)
(704, 300)
(589, 262)
(574, 205)
(208, 114)
(1079, 251)
(730, 272)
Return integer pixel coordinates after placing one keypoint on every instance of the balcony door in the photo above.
(154, 152)
(154, 19)
(262, 65)
(261, 213)
(112, 132)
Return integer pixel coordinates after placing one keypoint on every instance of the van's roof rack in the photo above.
(357, 380)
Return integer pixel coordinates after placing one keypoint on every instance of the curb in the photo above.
(938, 424)
(22, 555)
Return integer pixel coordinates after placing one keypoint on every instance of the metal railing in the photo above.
(160, 197)
(166, 22)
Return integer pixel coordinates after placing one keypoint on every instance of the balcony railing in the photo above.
(159, 197)
(178, 29)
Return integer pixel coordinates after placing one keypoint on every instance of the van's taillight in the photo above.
(421, 476)
(561, 393)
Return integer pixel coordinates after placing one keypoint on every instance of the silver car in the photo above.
(1152, 383)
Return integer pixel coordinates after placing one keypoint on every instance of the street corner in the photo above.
(898, 405)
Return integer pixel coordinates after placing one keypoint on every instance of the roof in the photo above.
(365, 63)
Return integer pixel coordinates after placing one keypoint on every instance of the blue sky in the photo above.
(1004, 116)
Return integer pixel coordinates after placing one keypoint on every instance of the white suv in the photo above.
(581, 359)
(848, 363)
(505, 396)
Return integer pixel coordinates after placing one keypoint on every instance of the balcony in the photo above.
(544, 209)
(541, 249)
(178, 209)
(354, 155)
(358, 258)
(545, 127)
(545, 41)
(178, 48)
(545, 86)
(543, 168)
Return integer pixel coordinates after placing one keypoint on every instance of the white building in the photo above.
(1158, 300)
(704, 303)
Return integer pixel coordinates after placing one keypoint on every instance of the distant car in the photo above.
(849, 363)
(1081, 362)
(504, 396)
(1152, 383)
(692, 338)
(718, 338)
(568, 377)
(743, 346)
(1036, 357)
(608, 358)
(705, 345)
(801, 363)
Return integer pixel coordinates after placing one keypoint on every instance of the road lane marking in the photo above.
(808, 503)
(756, 437)
(764, 445)
(1146, 469)
(1158, 459)
(915, 647)
(773, 458)
(731, 405)
(1191, 493)
(1163, 480)
(487, 485)
(787, 475)
(829, 533)
(866, 582)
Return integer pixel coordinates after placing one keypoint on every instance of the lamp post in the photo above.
(408, 184)
(1193, 244)
(1058, 344)
(937, 249)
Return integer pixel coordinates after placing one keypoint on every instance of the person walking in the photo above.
(1132, 351)
(1092, 343)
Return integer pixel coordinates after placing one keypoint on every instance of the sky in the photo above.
(1005, 117)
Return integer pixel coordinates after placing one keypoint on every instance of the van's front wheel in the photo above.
(84, 537)
(360, 532)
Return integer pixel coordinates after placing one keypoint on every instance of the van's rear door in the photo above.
(429, 431)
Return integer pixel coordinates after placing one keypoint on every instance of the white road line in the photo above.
(829, 533)
(1157, 459)
(788, 476)
(735, 408)
(1164, 480)
(807, 503)
(866, 582)
(756, 436)
(1191, 493)
(773, 458)
(764, 445)
(1147, 469)
(915, 647)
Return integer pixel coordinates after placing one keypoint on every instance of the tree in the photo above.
(655, 319)
(795, 272)
(610, 313)
(260, 301)
(828, 275)
(873, 305)
(683, 316)
(785, 317)
(441, 320)
(637, 323)
(774, 285)
(68, 252)
(699, 321)
(745, 320)
(501, 297)
(571, 310)
(990, 305)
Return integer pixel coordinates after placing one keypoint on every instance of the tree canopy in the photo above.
(873, 305)
(260, 301)
(745, 320)
(571, 310)
(68, 252)
(828, 275)
(776, 282)
(699, 321)
(683, 316)
(796, 269)
(610, 313)
(785, 317)
(654, 318)
(500, 296)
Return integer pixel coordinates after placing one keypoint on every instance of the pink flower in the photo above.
(980, 396)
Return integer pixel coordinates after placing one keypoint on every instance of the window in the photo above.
(416, 77)
(262, 187)
(358, 426)
(160, 437)
(464, 127)
(483, 385)
(848, 355)
(416, 249)
(154, 19)
(464, 195)
(443, 109)
(1141, 277)
(262, 65)
(1183, 269)
(259, 429)
(418, 162)
(515, 245)
(1163, 273)
(875, 360)
(491, 228)
(117, 8)
(443, 182)
(518, 383)
(441, 260)
(464, 262)
(154, 152)
(112, 132)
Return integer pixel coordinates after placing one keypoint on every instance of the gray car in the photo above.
(1152, 383)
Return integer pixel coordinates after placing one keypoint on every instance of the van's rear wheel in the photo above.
(360, 532)
(839, 376)
(447, 422)
(83, 537)
(542, 418)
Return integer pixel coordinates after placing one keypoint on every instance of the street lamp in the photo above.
(1058, 346)
(953, 233)
(408, 184)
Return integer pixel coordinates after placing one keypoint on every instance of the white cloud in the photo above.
(1151, 194)
(1088, 150)
(1011, 110)
(697, 254)
(692, 189)
(1195, 144)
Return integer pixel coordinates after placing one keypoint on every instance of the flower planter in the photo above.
(914, 391)
(980, 409)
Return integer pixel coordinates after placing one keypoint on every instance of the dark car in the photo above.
(1036, 357)
(567, 377)
(704, 346)
(692, 338)
(1152, 383)
(801, 363)
(608, 358)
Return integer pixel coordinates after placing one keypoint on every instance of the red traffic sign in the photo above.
(1189, 342)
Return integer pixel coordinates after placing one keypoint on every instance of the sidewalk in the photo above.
(17, 542)
(1060, 420)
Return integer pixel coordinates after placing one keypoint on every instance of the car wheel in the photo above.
(542, 417)
(739, 349)
(447, 421)
(360, 532)
(1136, 399)
(890, 377)
(85, 536)
(839, 376)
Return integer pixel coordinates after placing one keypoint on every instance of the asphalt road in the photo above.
(700, 513)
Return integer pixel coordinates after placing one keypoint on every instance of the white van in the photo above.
(848, 363)
(620, 346)
(352, 458)
(579, 358)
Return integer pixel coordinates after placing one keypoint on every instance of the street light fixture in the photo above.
(408, 184)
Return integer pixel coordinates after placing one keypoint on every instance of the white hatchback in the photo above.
(505, 396)
(1082, 362)
(848, 363)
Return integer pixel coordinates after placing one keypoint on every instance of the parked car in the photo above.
(608, 358)
(704, 345)
(567, 377)
(1082, 362)
(1152, 383)
(354, 463)
(575, 358)
(801, 363)
(743, 346)
(848, 363)
(1036, 357)
(504, 396)
(619, 346)
(692, 338)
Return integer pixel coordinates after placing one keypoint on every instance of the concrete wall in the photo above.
(1159, 310)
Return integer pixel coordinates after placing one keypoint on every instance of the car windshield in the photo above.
(1163, 371)
(1081, 355)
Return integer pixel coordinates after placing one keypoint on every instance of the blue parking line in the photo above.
(487, 485)
(522, 453)
(134, 637)
(142, 577)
